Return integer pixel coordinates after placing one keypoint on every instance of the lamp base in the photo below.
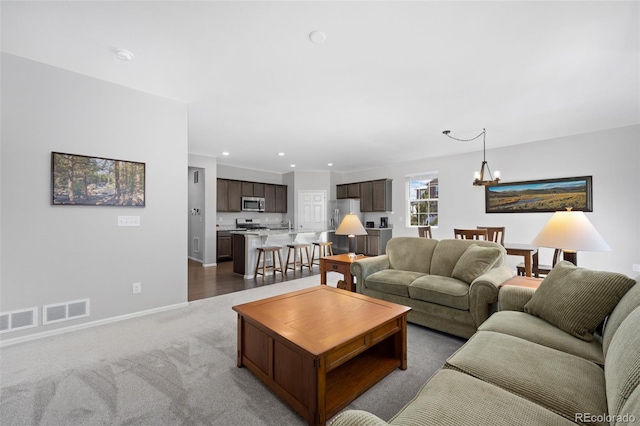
(570, 256)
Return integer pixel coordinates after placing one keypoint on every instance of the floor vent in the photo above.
(196, 244)
(18, 320)
(65, 311)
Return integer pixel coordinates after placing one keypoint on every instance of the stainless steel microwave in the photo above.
(252, 204)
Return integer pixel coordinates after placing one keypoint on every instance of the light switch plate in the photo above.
(128, 220)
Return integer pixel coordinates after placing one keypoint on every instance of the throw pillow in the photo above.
(475, 261)
(576, 300)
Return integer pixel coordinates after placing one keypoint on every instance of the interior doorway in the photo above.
(196, 214)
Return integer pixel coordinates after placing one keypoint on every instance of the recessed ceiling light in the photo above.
(317, 37)
(329, 164)
(225, 153)
(293, 165)
(123, 54)
(281, 154)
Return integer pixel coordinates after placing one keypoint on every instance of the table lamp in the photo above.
(351, 226)
(570, 231)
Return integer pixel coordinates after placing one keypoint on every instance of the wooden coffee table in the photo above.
(320, 348)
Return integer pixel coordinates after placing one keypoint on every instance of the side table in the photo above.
(339, 263)
(520, 281)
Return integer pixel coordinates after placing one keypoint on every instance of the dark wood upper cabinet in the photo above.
(375, 195)
(222, 195)
(366, 196)
(235, 196)
(230, 193)
(341, 192)
(281, 199)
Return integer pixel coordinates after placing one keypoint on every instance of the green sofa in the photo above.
(450, 285)
(522, 369)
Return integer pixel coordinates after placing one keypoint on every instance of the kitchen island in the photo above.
(245, 244)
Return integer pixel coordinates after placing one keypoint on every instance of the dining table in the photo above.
(526, 251)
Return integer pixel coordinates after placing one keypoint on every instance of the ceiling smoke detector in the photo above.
(317, 37)
(123, 54)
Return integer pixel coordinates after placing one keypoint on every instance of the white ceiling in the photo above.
(389, 78)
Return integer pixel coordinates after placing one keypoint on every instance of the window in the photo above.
(423, 199)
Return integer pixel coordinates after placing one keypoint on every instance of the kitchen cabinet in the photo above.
(341, 192)
(252, 189)
(224, 246)
(381, 194)
(281, 199)
(366, 196)
(375, 195)
(372, 244)
(228, 196)
(230, 193)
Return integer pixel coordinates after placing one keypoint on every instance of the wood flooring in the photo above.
(216, 280)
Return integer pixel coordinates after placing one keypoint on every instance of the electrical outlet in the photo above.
(137, 288)
(636, 267)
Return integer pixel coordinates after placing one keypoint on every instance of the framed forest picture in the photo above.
(547, 195)
(94, 181)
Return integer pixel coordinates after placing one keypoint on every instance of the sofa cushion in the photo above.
(629, 302)
(447, 252)
(392, 281)
(563, 383)
(444, 291)
(576, 300)
(475, 261)
(622, 364)
(537, 330)
(411, 253)
(454, 398)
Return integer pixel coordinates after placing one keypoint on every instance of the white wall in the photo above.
(610, 156)
(54, 254)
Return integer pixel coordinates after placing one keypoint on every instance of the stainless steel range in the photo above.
(249, 224)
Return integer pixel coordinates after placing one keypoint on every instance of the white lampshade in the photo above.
(569, 230)
(351, 225)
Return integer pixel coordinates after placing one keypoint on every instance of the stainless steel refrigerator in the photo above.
(340, 209)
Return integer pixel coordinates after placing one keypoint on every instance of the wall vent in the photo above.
(196, 245)
(18, 320)
(65, 311)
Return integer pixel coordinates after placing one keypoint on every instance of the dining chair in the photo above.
(424, 231)
(537, 269)
(495, 233)
(471, 234)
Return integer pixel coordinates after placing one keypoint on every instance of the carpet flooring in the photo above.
(177, 367)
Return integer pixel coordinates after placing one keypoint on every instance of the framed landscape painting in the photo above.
(95, 181)
(548, 195)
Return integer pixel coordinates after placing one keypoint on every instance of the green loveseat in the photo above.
(450, 285)
(521, 369)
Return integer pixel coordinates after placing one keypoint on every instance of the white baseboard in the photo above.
(195, 259)
(35, 336)
(206, 265)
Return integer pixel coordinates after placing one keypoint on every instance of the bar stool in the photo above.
(262, 254)
(324, 249)
(297, 253)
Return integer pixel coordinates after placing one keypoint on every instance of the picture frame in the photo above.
(540, 196)
(80, 180)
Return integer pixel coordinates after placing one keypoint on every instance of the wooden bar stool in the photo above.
(297, 254)
(324, 249)
(262, 254)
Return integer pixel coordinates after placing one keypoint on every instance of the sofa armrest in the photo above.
(357, 418)
(513, 298)
(362, 268)
(484, 292)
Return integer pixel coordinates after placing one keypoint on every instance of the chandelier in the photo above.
(484, 176)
